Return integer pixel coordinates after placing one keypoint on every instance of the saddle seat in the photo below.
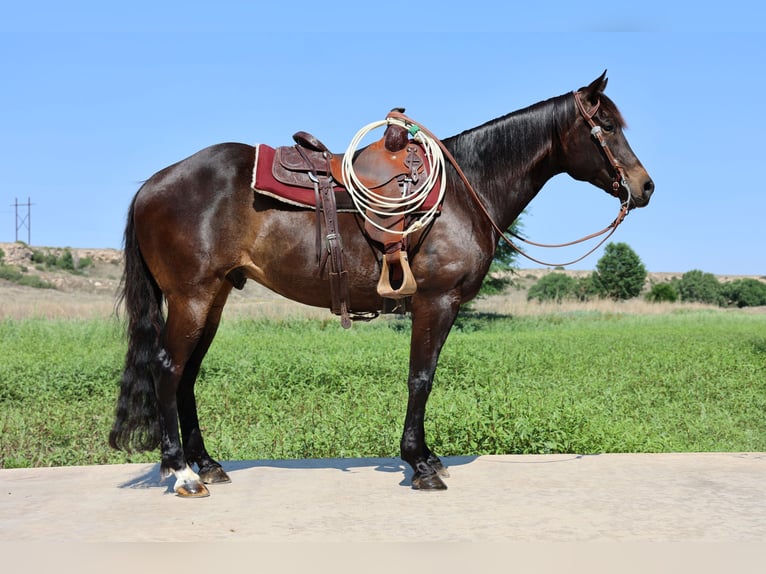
(374, 166)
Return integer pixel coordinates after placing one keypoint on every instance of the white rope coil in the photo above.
(368, 200)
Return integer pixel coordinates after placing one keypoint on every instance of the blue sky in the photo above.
(96, 97)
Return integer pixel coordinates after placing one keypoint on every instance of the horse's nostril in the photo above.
(648, 187)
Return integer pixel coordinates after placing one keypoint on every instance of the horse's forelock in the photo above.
(611, 108)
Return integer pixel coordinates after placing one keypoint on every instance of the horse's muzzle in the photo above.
(646, 193)
(639, 199)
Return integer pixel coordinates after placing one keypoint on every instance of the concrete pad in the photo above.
(559, 498)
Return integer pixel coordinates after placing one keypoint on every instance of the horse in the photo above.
(196, 230)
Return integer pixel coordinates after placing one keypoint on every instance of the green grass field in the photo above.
(579, 382)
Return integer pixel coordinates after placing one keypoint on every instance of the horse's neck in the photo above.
(508, 160)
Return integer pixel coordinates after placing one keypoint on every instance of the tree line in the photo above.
(621, 275)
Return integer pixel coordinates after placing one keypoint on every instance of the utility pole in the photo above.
(24, 220)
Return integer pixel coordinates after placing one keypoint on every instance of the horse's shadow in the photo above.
(150, 478)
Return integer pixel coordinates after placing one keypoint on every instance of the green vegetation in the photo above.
(620, 274)
(43, 260)
(697, 286)
(12, 274)
(555, 286)
(17, 275)
(745, 292)
(586, 383)
(662, 293)
(60, 259)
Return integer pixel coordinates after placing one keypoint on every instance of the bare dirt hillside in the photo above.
(92, 290)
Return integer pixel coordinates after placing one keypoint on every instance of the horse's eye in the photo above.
(608, 128)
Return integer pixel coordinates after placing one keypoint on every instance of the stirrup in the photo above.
(408, 287)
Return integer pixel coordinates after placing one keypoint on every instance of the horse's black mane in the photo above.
(523, 135)
(514, 139)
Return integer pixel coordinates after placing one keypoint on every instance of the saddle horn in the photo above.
(395, 138)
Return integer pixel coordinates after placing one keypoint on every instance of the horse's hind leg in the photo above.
(210, 471)
(184, 329)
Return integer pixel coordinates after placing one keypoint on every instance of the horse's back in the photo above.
(201, 172)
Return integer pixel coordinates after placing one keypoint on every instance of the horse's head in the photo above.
(596, 149)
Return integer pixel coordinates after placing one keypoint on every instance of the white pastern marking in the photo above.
(185, 475)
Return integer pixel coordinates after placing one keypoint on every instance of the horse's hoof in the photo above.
(438, 467)
(214, 475)
(192, 489)
(188, 484)
(428, 482)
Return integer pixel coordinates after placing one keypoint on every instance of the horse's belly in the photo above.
(291, 269)
(315, 291)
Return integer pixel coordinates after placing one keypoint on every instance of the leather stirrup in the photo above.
(408, 287)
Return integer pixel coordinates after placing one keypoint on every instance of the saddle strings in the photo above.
(366, 199)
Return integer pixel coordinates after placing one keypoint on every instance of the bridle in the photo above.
(618, 182)
(598, 133)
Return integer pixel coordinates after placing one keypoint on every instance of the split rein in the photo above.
(596, 132)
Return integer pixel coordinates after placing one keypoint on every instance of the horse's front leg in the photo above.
(432, 320)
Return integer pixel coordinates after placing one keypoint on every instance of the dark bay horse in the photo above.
(196, 230)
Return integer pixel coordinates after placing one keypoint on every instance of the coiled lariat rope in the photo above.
(369, 201)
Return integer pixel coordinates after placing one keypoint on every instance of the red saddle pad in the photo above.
(265, 183)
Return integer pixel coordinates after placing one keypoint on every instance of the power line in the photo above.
(24, 220)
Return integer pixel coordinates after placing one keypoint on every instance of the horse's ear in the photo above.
(596, 88)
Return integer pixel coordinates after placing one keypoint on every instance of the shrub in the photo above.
(35, 281)
(662, 293)
(65, 261)
(85, 262)
(9, 273)
(585, 288)
(552, 287)
(620, 274)
(700, 287)
(745, 292)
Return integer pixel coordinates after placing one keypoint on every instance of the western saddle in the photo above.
(391, 167)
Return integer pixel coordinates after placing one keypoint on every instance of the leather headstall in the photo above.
(597, 132)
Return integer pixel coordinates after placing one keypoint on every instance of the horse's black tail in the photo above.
(137, 424)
